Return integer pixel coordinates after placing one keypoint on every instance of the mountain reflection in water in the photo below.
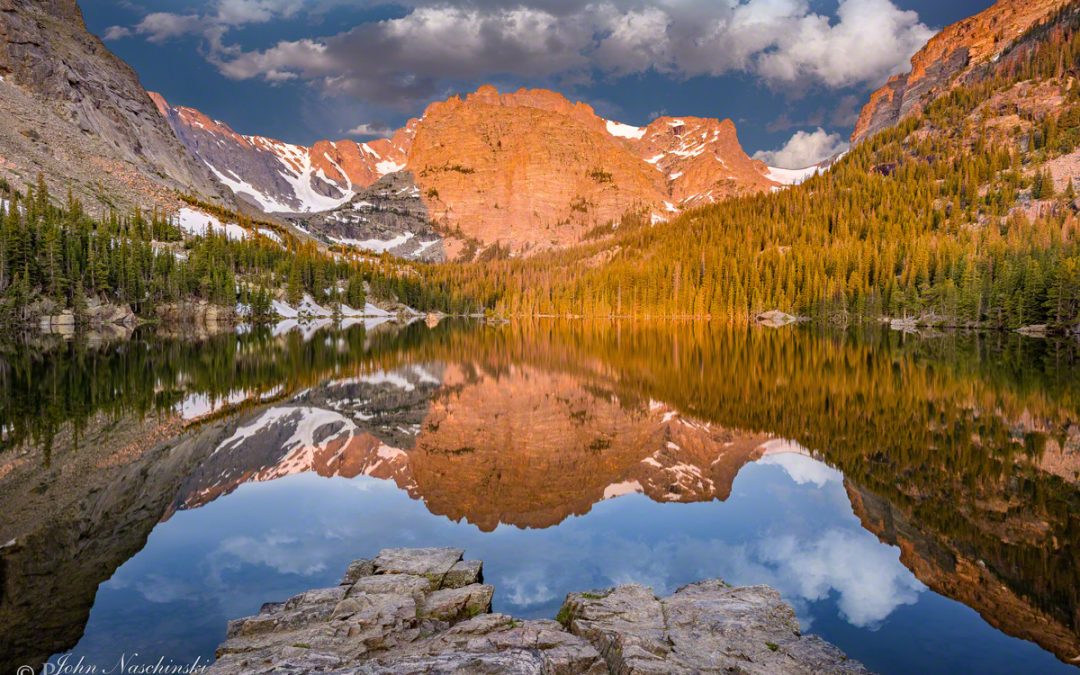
(880, 483)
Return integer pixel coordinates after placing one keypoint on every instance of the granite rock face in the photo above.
(427, 610)
(75, 112)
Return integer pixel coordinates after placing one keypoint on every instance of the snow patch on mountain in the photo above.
(386, 166)
(242, 187)
(424, 246)
(299, 173)
(375, 245)
(624, 130)
(270, 234)
(200, 224)
(792, 176)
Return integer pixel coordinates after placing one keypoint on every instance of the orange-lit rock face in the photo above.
(532, 171)
(529, 170)
(948, 54)
(701, 159)
(361, 164)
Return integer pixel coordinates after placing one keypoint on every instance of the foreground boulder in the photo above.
(428, 611)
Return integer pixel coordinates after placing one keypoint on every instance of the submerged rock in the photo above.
(426, 610)
(1038, 330)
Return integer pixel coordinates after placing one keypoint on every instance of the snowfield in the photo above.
(624, 130)
(308, 308)
(200, 224)
(374, 245)
(792, 176)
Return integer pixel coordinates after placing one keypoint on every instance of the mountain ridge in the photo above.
(527, 170)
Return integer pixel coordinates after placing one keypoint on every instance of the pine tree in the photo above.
(79, 303)
(294, 292)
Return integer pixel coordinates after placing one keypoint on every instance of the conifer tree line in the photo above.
(918, 220)
(60, 255)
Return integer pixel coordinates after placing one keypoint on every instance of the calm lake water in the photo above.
(916, 499)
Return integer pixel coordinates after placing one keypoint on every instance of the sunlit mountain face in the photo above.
(891, 490)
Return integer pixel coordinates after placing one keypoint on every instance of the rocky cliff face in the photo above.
(389, 216)
(527, 170)
(77, 114)
(950, 54)
(701, 160)
(428, 611)
(280, 177)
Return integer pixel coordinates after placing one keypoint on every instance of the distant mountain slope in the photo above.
(527, 170)
(951, 53)
(76, 113)
(387, 216)
(280, 177)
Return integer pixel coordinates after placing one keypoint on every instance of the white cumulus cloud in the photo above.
(804, 149)
(368, 130)
(436, 44)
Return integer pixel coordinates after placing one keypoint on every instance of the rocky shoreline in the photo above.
(428, 611)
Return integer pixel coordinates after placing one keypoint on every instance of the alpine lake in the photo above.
(916, 498)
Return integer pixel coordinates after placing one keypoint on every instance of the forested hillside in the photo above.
(58, 256)
(954, 213)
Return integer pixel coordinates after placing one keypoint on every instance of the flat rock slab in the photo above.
(426, 611)
(463, 573)
(454, 604)
(432, 563)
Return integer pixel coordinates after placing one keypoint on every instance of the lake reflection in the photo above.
(892, 492)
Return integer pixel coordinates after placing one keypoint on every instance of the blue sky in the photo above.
(791, 73)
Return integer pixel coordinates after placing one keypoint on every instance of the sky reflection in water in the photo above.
(788, 523)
